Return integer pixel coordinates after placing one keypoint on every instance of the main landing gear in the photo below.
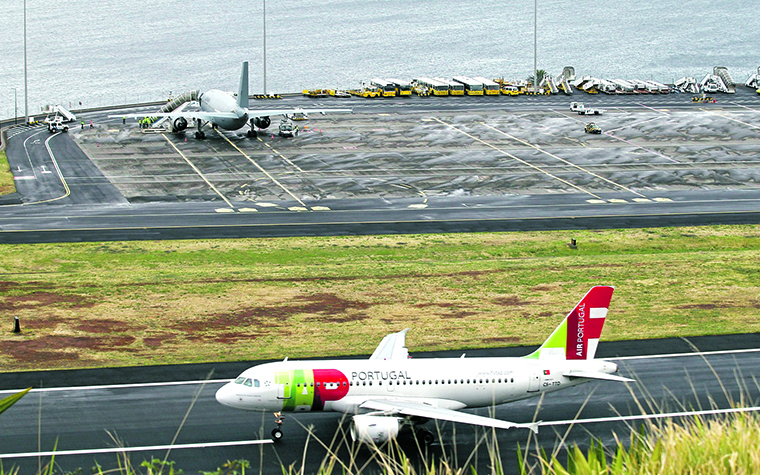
(277, 431)
(425, 436)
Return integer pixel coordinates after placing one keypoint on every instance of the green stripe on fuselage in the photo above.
(301, 388)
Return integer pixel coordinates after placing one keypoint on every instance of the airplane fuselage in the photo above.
(343, 385)
(217, 101)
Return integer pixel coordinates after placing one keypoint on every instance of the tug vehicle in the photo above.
(592, 128)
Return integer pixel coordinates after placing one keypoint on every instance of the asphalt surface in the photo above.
(396, 166)
(86, 417)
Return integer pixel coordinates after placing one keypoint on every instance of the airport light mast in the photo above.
(26, 88)
(15, 106)
(265, 47)
(535, 45)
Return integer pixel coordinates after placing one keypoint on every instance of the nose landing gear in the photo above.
(277, 431)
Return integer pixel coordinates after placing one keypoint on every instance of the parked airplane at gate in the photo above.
(227, 112)
(390, 392)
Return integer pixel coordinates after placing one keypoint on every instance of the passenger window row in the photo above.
(423, 382)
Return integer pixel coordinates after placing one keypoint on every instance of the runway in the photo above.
(396, 166)
(144, 407)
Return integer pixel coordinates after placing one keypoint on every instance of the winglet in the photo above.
(242, 98)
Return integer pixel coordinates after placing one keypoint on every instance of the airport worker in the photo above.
(91, 124)
(124, 120)
(82, 125)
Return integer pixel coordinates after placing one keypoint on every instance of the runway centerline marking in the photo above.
(536, 147)
(504, 152)
(198, 172)
(276, 182)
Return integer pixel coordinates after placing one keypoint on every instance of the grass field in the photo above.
(6, 177)
(133, 303)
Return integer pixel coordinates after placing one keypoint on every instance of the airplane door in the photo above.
(534, 382)
(283, 385)
(390, 386)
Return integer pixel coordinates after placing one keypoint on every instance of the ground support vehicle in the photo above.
(316, 92)
(55, 124)
(583, 110)
(288, 128)
(592, 128)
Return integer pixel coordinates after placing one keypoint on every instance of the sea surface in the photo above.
(104, 52)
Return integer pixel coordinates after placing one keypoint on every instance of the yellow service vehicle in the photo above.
(472, 87)
(386, 88)
(403, 88)
(432, 86)
(316, 92)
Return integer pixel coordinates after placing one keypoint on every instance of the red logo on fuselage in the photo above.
(329, 385)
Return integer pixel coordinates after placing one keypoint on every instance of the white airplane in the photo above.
(228, 112)
(390, 392)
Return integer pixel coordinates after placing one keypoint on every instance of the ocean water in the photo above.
(123, 51)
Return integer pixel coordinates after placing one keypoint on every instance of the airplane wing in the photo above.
(268, 112)
(205, 116)
(597, 375)
(393, 347)
(407, 408)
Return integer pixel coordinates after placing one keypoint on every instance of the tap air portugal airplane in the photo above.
(226, 111)
(390, 392)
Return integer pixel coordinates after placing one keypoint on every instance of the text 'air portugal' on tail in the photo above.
(577, 337)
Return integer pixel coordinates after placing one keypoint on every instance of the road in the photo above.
(670, 378)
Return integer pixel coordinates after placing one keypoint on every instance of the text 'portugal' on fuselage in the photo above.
(390, 392)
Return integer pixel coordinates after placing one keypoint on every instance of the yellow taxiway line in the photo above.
(504, 152)
(198, 172)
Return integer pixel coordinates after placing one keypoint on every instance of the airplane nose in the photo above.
(225, 395)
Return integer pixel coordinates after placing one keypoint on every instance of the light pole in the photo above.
(15, 107)
(26, 88)
(535, 45)
(265, 47)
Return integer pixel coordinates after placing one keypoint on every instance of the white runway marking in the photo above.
(641, 417)
(118, 450)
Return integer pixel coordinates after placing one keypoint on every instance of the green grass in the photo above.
(132, 303)
(7, 185)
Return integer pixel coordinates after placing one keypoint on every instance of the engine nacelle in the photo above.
(262, 122)
(179, 124)
(375, 429)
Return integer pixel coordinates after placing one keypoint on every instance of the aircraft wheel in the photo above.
(425, 436)
(251, 133)
(200, 135)
(277, 434)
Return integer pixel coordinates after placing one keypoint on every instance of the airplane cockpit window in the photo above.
(239, 380)
(248, 382)
(256, 383)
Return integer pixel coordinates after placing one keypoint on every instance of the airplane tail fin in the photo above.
(242, 98)
(577, 337)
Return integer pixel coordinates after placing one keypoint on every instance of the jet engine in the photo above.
(179, 124)
(375, 429)
(262, 122)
